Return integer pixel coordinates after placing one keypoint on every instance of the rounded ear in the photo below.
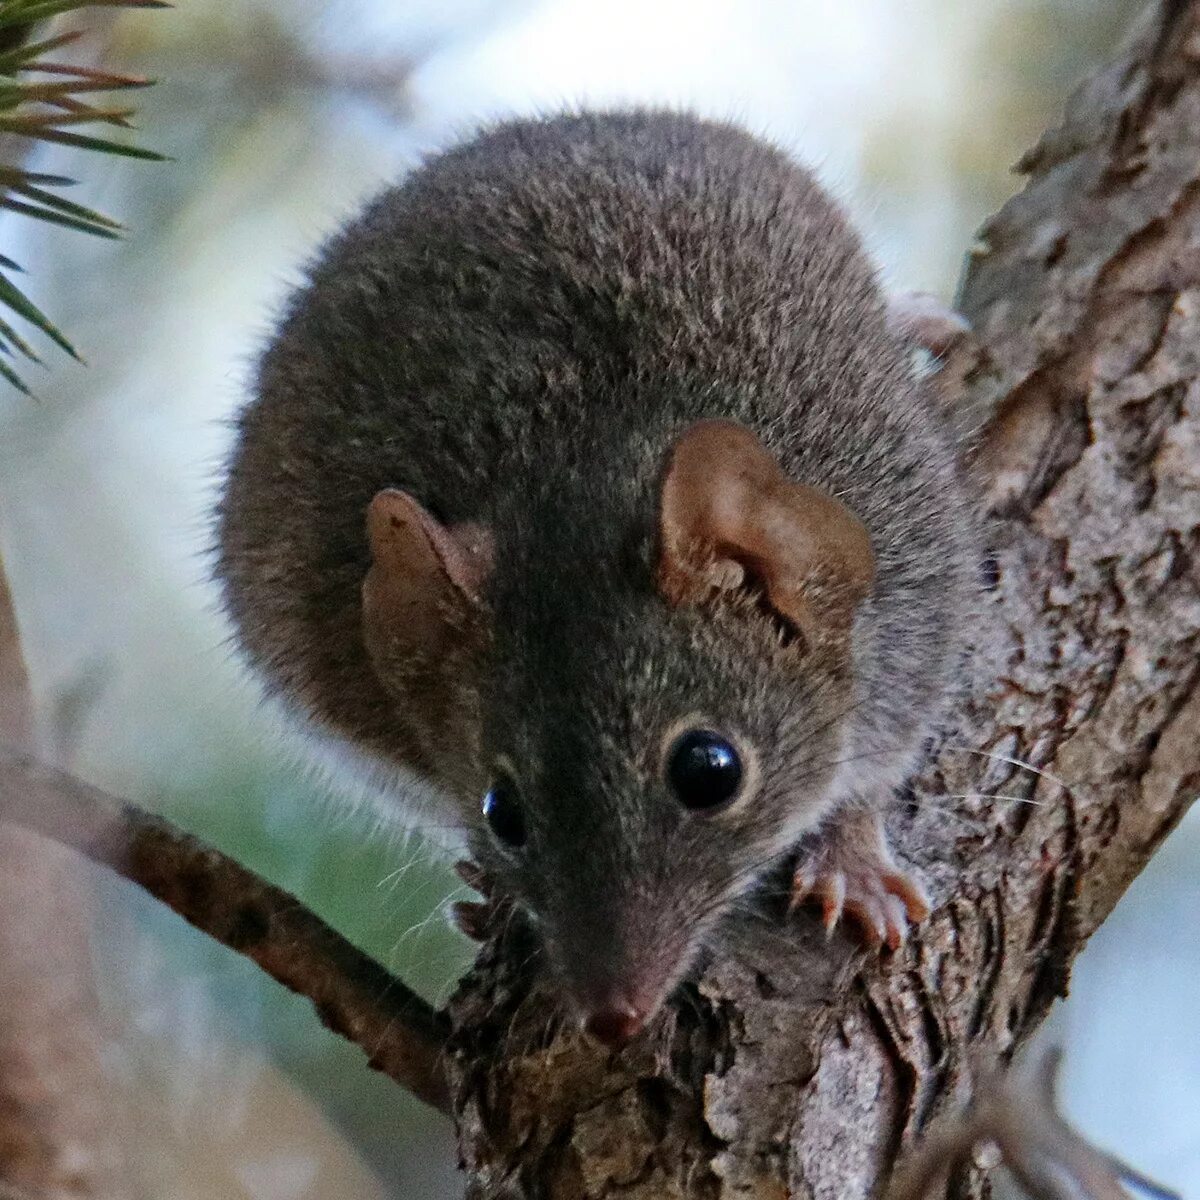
(422, 591)
(730, 518)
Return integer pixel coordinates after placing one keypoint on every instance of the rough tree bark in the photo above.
(792, 1069)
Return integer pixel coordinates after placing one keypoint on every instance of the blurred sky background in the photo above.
(281, 115)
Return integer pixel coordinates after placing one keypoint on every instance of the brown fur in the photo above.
(730, 518)
(515, 337)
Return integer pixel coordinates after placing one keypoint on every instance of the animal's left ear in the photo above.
(730, 518)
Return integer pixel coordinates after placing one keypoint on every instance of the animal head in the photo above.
(637, 720)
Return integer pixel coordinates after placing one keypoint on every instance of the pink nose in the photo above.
(614, 1025)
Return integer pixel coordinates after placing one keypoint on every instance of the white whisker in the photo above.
(1013, 762)
(991, 796)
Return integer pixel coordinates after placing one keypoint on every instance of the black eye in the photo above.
(704, 769)
(503, 812)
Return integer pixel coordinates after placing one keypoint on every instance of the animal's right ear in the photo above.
(421, 596)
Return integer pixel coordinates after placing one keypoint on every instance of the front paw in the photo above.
(851, 874)
(475, 918)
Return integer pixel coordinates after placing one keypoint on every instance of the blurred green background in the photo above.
(280, 118)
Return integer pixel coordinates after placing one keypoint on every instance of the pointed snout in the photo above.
(614, 1023)
(617, 968)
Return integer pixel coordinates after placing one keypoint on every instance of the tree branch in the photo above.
(1040, 1149)
(792, 1069)
(354, 996)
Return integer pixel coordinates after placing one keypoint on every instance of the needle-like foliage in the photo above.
(44, 100)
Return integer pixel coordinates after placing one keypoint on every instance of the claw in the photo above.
(473, 876)
(471, 919)
(832, 891)
(896, 921)
(853, 877)
(867, 914)
(475, 918)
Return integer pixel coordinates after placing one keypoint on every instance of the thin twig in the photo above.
(1049, 1159)
(354, 995)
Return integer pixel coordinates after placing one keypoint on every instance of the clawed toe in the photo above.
(473, 876)
(882, 909)
(853, 879)
(470, 917)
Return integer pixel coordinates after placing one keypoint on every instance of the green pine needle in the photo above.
(12, 59)
(45, 110)
(65, 206)
(24, 307)
(26, 12)
(13, 341)
(57, 218)
(8, 373)
(9, 178)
